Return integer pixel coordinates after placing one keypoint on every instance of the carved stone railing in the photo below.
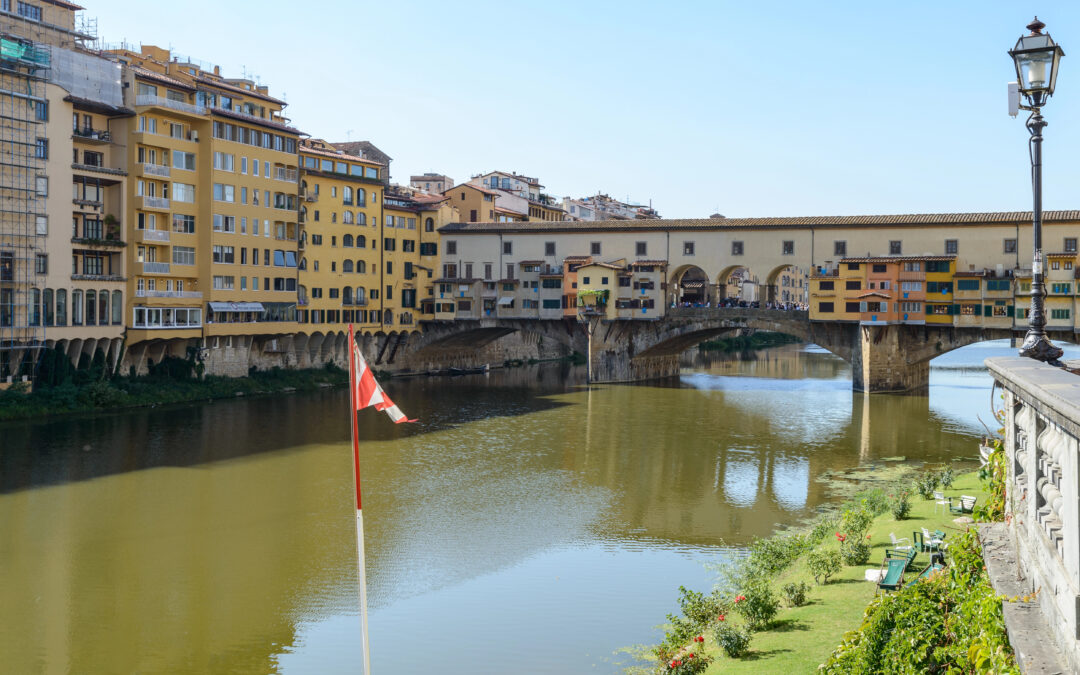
(1042, 452)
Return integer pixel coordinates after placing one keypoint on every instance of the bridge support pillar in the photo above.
(879, 363)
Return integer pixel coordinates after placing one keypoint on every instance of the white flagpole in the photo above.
(353, 368)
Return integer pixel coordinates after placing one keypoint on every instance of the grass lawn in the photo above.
(803, 637)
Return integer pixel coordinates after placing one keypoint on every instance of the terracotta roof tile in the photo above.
(915, 219)
(145, 73)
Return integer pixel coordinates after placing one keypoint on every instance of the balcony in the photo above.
(98, 241)
(158, 203)
(154, 235)
(97, 277)
(155, 268)
(91, 135)
(142, 293)
(98, 169)
(287, 175)
(156, 170)
(159, 102)
(309, 195)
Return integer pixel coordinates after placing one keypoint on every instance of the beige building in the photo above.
(434, 183)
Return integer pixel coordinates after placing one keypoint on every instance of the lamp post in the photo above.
(1036, 58)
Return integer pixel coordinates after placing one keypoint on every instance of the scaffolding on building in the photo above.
(23, 224)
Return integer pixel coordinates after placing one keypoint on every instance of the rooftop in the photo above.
(908, 220)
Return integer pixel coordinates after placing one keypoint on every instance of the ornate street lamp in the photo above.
(1037, 58)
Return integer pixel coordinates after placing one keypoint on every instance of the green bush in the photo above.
(699, 608)
(875, 500)
(733, 640)
(774, 554)
(926, 484)
(855, 521)
(947, 476)
(757, 603)
(899, 503)
(823, 564)
(795, 593)
(855, 551)
(950, 623)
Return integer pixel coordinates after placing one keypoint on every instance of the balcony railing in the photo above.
(287, 175)
(155, 235)
(142, 293)
(155, 268)
(155, 203)
(150, 99)
(92, 135)
(156, 170)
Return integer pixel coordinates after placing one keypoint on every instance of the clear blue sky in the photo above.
(749, 108)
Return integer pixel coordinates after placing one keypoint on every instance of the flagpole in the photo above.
(359, 512)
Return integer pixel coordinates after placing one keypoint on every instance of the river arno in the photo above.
(526, 524)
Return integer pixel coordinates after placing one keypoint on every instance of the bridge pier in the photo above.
(880, 363)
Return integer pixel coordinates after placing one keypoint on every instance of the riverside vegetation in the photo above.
(811, 582)
(66, 389)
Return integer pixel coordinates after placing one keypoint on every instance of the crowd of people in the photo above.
(736, 302)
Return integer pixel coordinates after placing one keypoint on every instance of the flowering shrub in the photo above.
(856, 521)
(855, 551)
(899, 503)
(757, 604)
(687, 662)
(733, 640)
(926, 484)
(795, 593)
(823, 564)
(947, 476)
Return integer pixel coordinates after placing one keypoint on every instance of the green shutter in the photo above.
(988, 310)
(956, 310)
(1011, 311)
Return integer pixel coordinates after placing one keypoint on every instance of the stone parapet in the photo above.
(1042, 451)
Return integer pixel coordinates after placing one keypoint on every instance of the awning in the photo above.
(236, 306)
(506, 301)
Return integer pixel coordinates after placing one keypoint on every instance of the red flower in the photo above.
(690, 655)
(739, 598)
(868, 536)
(720, 618)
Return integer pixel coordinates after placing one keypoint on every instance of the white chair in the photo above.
(896, 542)
(939, 500)
(931, 541)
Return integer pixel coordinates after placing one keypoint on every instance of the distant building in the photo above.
(434, 183)
(367, 150)
(520, 197)
(603, 207)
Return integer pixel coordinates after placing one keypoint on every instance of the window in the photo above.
(788, 248)
(224, 161)
(840, 248)
(1059, 313)
(910, 285)
(508, 248)
(1061, 288)
(41, 263)
(951, 247)
(41, 223)
(224, 223)
(878, 269)
(26, 10)
(1010, 246)
(183, 224)
(640, 248)
(429, 224)
(183, 255)
(549, 248)
(594, 248)
(852, 285)
(895, 248)
(224, 193)
(688, 248)
(451, 247)
(826, 285)
(183, 160)
(1070, 246)
(41, 150)
(826, 307)
(183, 192)
(390, 244)
(42, 185)
(736, 248)
(943, 287)
(915, 307)
(224, 254)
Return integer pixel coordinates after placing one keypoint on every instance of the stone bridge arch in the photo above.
(471, 343)
(782, 284)
(730, 282)
(690, 283)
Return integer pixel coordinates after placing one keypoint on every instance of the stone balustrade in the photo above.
(1042, 450)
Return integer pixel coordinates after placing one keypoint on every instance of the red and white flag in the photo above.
(368, 392)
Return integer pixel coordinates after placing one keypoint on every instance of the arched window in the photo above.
(35, 306)
(347, 218)
(347, 240)
(303, 264)
(50, 317)
(360, 299)
(333, 217)
(91, 308)
(346, 194)
(346, 267)
(388, 317)
(103, 308)
(117, 308)
(361, 267)
(361, 218)
(361, 197)
(361, 241)
(346, 296)
(429, 225)
(61, 307)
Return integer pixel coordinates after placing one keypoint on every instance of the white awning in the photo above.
(506, 301)
(236, 306)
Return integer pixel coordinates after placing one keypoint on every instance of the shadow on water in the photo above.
(39, 453)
